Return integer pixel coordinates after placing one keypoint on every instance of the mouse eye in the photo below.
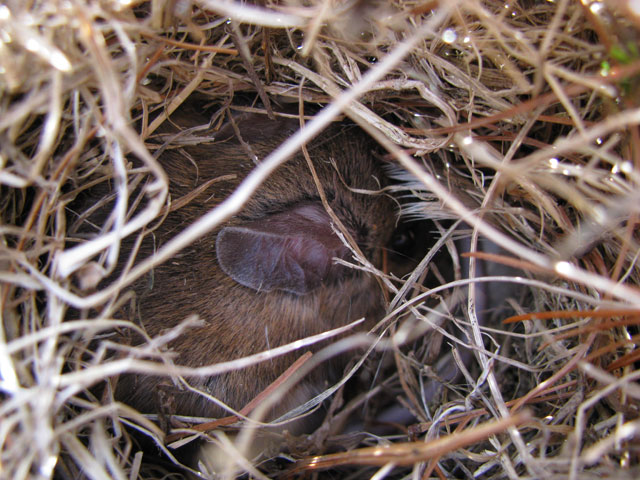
(403, 240)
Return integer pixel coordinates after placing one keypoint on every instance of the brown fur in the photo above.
(240, 321)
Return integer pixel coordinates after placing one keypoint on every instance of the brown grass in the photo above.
(536, 104)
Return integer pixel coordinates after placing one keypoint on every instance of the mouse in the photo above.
(268, 276)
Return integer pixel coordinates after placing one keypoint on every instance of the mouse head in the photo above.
(284, 239)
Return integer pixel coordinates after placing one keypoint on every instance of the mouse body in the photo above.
(267, 277)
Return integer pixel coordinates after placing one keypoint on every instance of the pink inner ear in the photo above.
(290, 251)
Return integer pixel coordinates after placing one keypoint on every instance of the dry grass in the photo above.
(535, 104)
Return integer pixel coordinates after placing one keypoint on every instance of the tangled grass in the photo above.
(520, 118)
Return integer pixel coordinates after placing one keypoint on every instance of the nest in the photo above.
(534, 104)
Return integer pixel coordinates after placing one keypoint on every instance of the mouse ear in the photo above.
(290, 251)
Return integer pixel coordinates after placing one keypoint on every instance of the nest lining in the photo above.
(533, 104)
